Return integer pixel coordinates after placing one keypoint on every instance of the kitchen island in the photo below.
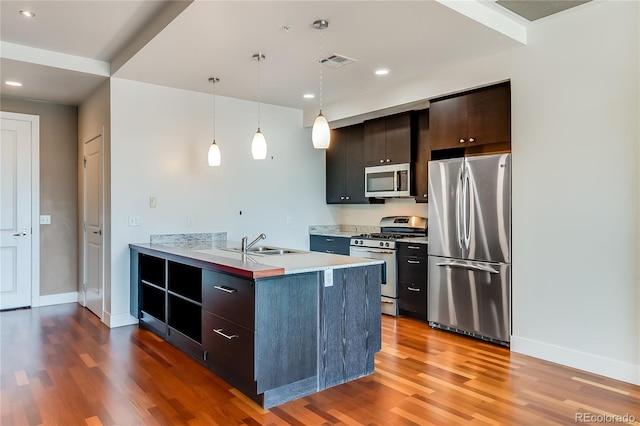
(275, 326)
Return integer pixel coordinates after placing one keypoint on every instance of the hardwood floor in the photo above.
(60, 366)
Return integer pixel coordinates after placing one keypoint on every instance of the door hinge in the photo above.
(84, 162)
(84, 225)
(84, 286)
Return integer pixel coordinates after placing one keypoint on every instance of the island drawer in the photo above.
(229, 297)
(229, 348)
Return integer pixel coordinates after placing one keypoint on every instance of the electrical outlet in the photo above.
(328, 277)
(153, 203)
(134, 220)
(189, 222)
(45, 219)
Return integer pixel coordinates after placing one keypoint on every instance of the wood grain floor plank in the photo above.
(60, 365)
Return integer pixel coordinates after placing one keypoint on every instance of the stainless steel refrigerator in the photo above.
(469, 284)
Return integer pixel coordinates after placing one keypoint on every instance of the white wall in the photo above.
(575, 131)
(160, 138)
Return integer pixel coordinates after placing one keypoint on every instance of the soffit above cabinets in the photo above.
(532, 10)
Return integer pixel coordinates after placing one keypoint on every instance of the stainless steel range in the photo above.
(382, 246)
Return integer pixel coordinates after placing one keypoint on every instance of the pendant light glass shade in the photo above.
(214, 156)
(321, 134)
(259, 146)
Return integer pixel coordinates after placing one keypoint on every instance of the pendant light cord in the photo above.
(320, 64)
(213, 82)
(259, 59)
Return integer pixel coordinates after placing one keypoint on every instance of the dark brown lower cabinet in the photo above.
(412, 280)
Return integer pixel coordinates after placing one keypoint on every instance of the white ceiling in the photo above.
(218, 38)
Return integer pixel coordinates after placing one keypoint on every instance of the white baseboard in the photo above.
(596, 364)
(118, 320)
(55, 299)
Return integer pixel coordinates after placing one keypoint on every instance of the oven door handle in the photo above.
(373, 251)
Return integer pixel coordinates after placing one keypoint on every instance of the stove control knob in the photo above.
(381, 244)
(386, 244)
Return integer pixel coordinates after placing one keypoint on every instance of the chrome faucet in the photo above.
(244, 247)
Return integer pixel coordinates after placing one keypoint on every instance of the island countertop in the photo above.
(219, 255)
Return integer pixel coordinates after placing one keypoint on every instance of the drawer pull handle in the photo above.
(415, 262)
(387, 303)
(226, 336)
(330, 251)
(328, 239)
(225, 289)
(413, 289)
(414, 247)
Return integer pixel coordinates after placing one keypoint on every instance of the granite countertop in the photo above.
(254, 265)
(345, 231)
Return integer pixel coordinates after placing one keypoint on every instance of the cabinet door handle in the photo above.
(328, 239)
(342, 198)
(388, 161)
(225, 289)
(471, 140)
(413, 247)
(415, 262)
(226, 336)
(413, 289)
(347, 197)
(382, 161)
(461, 141)
(330, 251)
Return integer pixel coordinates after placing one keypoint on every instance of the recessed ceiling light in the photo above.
(13, 83)
(308, 96)
(382, 71)
(27, 14)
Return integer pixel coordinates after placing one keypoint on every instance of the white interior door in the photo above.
(93, 265)
(15, 211)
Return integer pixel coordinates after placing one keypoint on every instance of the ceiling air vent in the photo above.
(336, 61)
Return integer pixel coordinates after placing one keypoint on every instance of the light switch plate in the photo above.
(45, 219)
(134, 220)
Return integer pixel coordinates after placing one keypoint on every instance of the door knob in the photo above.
(21, 234)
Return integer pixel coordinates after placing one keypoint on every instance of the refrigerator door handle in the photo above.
(466, 203)
(471, 266)
(459, 185)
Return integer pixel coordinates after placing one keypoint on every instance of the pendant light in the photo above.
(214, 157)
(321, 134)
(259, 144)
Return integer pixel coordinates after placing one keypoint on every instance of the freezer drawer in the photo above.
(471, 297)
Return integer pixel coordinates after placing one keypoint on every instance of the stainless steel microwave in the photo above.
(389, 181)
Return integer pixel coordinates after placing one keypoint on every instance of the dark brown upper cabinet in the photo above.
(345, 166)
(389, 140)
(423, 156)
(478, 117)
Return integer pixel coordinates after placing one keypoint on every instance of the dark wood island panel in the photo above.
(274, 338)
